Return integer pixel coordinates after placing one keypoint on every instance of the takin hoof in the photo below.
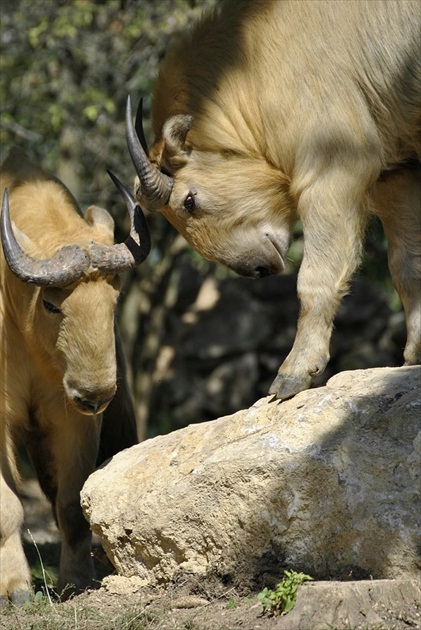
(18, 598)
(286, 385)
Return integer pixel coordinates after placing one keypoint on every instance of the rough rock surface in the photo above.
(364, 604)
(327, 483)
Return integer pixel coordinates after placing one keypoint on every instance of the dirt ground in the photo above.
(190, 604)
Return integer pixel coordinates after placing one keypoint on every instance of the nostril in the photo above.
(91, 406)
(262, 272)
(86, 404)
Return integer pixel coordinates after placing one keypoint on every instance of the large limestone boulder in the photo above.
(327, 483)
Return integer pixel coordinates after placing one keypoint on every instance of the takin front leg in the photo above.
(398, 204)
(332, 250)
(64, 455)
(15, 578)
(75, 451)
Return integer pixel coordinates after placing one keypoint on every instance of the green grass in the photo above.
(39, 614)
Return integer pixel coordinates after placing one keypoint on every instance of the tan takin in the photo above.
(271, 111)
(60, 363)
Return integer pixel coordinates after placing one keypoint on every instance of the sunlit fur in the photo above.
(297, 110)
(48, 362)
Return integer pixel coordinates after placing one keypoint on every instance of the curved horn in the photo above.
(135, 248)
(67, 265)
(156, 186)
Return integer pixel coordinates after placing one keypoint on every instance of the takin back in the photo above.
(273, 111)
(63, 386)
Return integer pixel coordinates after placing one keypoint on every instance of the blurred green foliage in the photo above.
(66, 69)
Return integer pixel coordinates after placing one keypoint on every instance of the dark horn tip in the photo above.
(129, 107)
(124, 192)
(138, 246)
(6, 198)
(5, 218)
(142, 228)
(114, 178)
(138, 125)
(5, 215)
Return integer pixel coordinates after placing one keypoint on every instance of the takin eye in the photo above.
(51, 308)
(190, 203)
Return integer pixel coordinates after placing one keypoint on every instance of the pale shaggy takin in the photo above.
(273, 111)
(63, 388)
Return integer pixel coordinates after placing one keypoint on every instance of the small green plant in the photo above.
(282, 599)
(231, 603)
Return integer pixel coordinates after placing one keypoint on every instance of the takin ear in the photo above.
(101, 219)
(174, 134)
(171, 149)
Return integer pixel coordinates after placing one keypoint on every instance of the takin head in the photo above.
(62, 283)
(232, 207)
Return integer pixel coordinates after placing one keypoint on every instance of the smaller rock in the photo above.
(121, 585)
(357, 605)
